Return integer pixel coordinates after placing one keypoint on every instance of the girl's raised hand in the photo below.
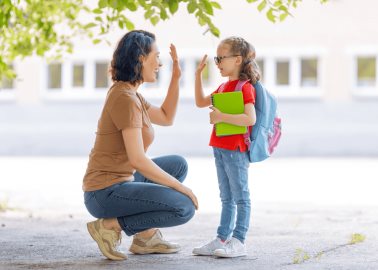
(201, 65)
(176, 70)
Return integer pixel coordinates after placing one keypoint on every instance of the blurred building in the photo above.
(321, 64)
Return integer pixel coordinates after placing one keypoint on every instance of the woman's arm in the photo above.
(248, 118)
(201, 99)
(165, 115)
(132, 138)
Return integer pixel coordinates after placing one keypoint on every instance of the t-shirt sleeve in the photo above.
(249, 93)
(146, 104)
(127, 112)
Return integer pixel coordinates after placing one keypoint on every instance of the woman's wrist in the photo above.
(175, 184)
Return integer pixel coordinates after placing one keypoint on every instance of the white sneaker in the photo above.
(232, 248)
(209, 248)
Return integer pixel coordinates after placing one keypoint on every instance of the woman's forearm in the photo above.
(151, 171)
(169, 105)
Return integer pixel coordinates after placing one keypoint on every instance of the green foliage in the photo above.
(277, 10)
(34, 27)
(357, 238)
(300, 256)
(46, 27)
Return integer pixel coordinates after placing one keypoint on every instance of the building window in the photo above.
(78, 75)
(366, 71)
(101, 75)
(282, 72)
(309, 72)
(260, 63)
(54, 76)
(206, 80)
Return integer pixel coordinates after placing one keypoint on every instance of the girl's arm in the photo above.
(248, 118)
(165, 115)
(132, 138)
(201, 99)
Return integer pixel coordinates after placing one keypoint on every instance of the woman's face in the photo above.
(151, 64)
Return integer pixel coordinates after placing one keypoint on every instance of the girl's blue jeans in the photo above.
(232, 170)
(140, 205)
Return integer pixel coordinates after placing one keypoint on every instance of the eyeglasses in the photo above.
(218, 59)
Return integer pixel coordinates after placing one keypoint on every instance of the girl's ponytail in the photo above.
(249, 71)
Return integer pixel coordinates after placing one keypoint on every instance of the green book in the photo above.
(231, 103)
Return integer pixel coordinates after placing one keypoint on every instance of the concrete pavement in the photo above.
(282, 236)
(304, 213)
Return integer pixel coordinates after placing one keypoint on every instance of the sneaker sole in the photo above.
(222, 255)
(142, 250)
(202, 253)
(101, 244)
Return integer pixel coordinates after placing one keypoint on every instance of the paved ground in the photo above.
(282, 236)
(304, 213)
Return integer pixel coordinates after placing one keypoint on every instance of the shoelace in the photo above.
(117, 239)
(229, 245)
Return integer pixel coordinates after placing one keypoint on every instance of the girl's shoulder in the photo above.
(248, 87)
(249, 93)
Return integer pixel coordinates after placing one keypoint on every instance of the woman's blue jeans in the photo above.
(140, 205)
(232, 170)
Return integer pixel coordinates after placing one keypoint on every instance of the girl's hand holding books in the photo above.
(215, 115)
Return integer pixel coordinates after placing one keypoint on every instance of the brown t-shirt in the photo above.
(108, 161)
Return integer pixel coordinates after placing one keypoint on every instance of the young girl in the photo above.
(236, 60)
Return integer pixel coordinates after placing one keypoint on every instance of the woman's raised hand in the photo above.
(176, 70)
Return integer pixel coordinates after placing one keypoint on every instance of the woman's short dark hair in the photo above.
(126, 65)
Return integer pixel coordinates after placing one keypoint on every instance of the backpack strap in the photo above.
(246, 135)
(221, 88)
(240, 84)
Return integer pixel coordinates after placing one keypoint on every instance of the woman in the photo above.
(123, 188)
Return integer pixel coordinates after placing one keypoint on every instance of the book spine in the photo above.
(212, 103)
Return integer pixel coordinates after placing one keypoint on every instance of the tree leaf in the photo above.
(216, 5)
(270, 15)
(132, 6)
(97, 11)
(173, 6)
(208, 7)
(192, 6)
(102, 3)
(155, 19)
(215, 31)
(262, 5)
(149, 13)
(89, 25)
(283, 16)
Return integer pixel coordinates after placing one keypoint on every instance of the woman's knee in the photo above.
(186, 210)
(182, 167)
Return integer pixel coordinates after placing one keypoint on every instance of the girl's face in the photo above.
(229, 64)
(151, 65)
